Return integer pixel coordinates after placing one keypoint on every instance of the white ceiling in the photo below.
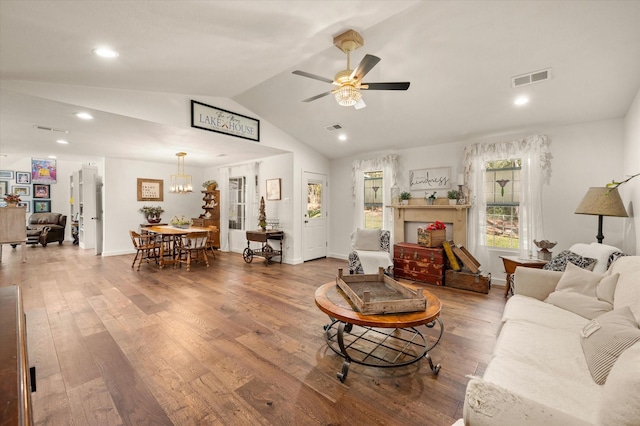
(458, 56)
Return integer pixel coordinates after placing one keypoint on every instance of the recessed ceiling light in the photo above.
(62, 142)
(521, 100)
(84, 115)
(105, 52)
(342, 137)
(53, 157)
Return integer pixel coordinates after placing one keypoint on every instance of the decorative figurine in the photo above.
(262, 217)
(544, 246)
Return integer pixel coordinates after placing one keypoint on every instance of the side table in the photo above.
(512, 262)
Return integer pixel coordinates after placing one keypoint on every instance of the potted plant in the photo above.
(152, 213)
(210, 185)
(12, 199)
(405, 197)
(180, 222)
(453, 196)
(431, 199)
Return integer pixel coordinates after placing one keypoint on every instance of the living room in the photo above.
(139, 126)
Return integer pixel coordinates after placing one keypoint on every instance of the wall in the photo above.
(584, 155)
(630, 191)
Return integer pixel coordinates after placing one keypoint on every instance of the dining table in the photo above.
(169, 235)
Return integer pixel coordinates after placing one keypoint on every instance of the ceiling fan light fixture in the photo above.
(348, 95)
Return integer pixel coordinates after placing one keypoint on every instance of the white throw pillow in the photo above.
(366, 239)
(585, 306)
(620, 404)
(579, 280)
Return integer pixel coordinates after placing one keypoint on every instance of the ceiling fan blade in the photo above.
(313, 98)
(315, 77)
(386, 86)
(365, 65)
(360, 104)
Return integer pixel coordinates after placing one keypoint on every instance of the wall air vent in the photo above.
(531, 78)
(50, 129)
(333, 127)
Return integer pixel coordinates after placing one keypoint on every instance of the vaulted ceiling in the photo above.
(459, 56)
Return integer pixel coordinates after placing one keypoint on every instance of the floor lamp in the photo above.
(602, 202)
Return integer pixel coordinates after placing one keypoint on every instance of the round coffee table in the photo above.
(380, 340)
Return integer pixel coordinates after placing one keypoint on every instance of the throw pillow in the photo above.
(366, 239)
(579, 280)
(559, 262)
(614, 332)
(585, 306)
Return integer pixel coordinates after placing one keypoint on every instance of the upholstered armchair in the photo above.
(370, 250)
(45, 228)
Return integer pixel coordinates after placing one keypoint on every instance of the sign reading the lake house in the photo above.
(425, 179)
(219, 120)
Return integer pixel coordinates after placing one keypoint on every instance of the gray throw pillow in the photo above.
(605, 338)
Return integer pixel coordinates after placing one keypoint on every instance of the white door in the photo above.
(315, 217)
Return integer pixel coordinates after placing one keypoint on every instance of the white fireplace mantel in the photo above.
(456, 215)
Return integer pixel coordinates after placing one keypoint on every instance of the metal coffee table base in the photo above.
(380, 347)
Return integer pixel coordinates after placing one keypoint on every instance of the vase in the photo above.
(430, 201)
(12, 204)
(153, 219)
(453, 202)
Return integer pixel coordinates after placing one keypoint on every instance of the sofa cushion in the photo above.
(44, 218)
(620, 405)
(628, 288)
(366, 239)
(605, 338)
(585, 306)
(600, 252)
(528, 309)
(559, 262)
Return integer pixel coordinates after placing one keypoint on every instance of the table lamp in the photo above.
(602, 202)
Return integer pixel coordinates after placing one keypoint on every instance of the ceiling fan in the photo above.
(349, 81)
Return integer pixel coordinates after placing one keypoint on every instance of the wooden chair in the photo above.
(147, 248)
(192, 247)
(211, 243)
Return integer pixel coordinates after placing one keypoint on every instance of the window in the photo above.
(237, 202)
(373, 207)
(314, 200)
(502, 192)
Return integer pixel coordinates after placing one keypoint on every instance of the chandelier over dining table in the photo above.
(181, 183)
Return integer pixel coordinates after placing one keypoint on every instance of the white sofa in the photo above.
(539, 374)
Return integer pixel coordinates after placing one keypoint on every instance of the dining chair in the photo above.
(211, 241)
(192, 247)
(147, 248)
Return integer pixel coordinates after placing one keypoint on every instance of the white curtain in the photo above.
(389, 166)
(536, 170)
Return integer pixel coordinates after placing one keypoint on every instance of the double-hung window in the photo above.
(373, 207)
(502, 192)
(237, 202)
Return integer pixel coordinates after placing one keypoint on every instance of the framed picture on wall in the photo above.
(4, 188)
(41, 206)
(6, 174)
(41, 191)
(150, 189)
(25, 204)
(43, 170)
(23, 177)
(23, 191)
(273, 189)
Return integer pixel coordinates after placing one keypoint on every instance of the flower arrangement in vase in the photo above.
(152, 213)
(182, 222)
(431, 199)
(12, 199)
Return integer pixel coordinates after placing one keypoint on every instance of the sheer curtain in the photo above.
(536, 170)
(389, 166)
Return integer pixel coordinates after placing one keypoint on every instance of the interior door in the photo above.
(315, 217)
(98, 216)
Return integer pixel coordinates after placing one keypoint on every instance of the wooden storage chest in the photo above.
(431, 238)
(418, 263)
(468, 281)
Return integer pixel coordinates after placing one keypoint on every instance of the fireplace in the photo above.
(403, 216)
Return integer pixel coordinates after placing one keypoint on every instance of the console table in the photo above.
(13, 228)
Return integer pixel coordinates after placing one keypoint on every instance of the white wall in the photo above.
(120, 199)
(630, 192)
(584, 155)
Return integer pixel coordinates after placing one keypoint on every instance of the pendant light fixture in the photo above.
(181, 183)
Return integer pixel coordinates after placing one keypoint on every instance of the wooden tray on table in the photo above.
(380, 294)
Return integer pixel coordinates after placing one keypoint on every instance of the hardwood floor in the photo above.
(232, 344)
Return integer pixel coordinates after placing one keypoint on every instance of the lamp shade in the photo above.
(602, 202)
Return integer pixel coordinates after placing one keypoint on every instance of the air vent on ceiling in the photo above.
(534, 77)
(50, 129)
(333, 127)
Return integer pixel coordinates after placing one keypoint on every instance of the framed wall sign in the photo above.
(426, 179)
(43, 170)
(41, 191)
(41, 206)
(273, 189)
(150, 189)
(23, 177)
(207, 117)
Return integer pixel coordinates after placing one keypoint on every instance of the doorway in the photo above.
(314, 221)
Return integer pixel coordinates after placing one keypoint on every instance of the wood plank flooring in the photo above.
(232, 344)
